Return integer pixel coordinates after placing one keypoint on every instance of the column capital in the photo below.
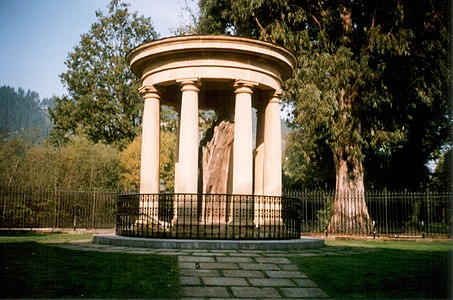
(278, 94)
(244, 86)
(149, 91)
(274, 96)
(189, 84)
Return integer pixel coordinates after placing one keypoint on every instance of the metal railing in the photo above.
(392, 213)
(32, 208)
(208, 216)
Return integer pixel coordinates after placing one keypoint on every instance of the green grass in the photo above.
(5, 237)
(382, 270)
(31, 269)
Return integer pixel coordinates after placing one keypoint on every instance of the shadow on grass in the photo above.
(34, 270)
(382, 272)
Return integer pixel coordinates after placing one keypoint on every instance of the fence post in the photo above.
(94, 209)
(326, 203)
(428, 219)
(386, 212)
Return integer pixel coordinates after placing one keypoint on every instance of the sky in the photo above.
(36, 36)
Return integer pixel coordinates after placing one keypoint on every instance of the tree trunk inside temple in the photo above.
(216, 159)
(216, 165)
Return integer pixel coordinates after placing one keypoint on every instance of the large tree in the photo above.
(103, 102)
(420, 84)
(341, 92)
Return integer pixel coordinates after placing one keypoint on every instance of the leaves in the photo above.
(80, 164)
(103, 101)
(364, 76)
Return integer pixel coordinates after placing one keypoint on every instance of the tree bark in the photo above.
(350, 212)
(216, 159)
(216, 173)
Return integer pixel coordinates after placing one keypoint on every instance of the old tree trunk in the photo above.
(216, 172)
(350, 212)
(216, 159)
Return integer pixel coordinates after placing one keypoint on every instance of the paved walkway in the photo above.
(227, 274)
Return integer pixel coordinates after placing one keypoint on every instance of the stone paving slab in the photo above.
(243, 273)
(254, 292)
(229, 274)
(219, 266)
(273, 260)
(204, 291)
(305, 283)
(187, 265)
(225, 281)
(198, 273)
(278, 282)
(285, 274)
(289, 267)
(235, 259)
(254, 266)
(195, 258)
(315, 293)
(189, 280)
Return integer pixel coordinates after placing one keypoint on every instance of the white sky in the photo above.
(37, 35)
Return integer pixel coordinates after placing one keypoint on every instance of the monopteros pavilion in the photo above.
(236, 78)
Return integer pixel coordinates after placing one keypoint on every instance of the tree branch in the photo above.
(373, 19)
(313, 16)
(262, 28)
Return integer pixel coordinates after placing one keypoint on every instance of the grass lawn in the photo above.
(31, 269)
(383, 270)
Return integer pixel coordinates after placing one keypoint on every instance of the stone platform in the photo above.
(294, 244)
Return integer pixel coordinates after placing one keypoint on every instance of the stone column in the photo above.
(187, 181)
(243, 144)
(273, 148)
(259, 150)
(188, 141)
(270, 212)
(259, 165)
(149, 169)
(243, 155)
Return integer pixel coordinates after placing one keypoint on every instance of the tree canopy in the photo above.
(103, 102)
(372, 81)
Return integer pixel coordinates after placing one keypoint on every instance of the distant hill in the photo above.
(23, 113)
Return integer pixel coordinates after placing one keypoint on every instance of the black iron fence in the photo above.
(404, 213)
(208, 216)
(32, 208)
(392, 213)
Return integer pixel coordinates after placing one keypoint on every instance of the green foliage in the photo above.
(130, 165)
(168, 158)
(131, 156)
(364, 85)
(306, 165)
(23, 114)
(442, 177)
(103, 101)
(12, 156)
(80, 164)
